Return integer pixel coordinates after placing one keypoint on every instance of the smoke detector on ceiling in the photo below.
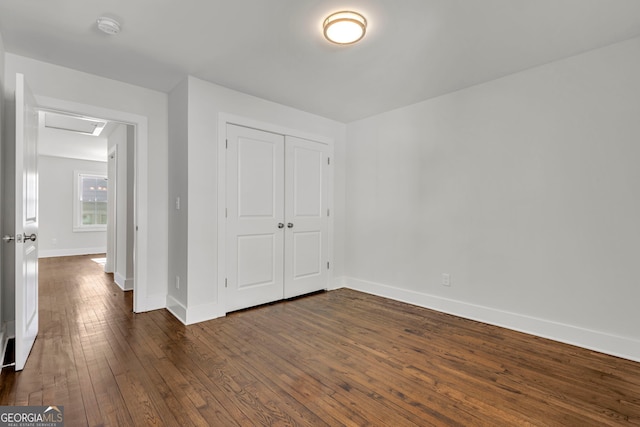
(108, 25)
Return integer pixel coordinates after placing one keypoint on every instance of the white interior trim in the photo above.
(112, 206)
(176, 308)
(141, 301)
(602, 342)
(124, 283)
(71, 252)
(223, 120)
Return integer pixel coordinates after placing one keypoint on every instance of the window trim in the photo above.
(78, 227)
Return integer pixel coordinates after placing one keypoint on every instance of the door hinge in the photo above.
(328, 212)
(328, 265)
(226, 214)
(226, 143)
(328, 160)
(225, 282)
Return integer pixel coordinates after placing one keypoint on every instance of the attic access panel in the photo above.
(83, 125)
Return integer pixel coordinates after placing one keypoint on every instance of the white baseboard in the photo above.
(204, 312)
(124, 283)
(337, 283)
(199, 313)
(626, 348)
(152, 302)
(176, 308)
(50, 253)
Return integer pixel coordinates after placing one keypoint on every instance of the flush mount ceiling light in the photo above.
(344, 27)
(108, 25)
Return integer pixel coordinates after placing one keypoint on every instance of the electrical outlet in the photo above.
(177, 282)
(446, 279)
(54, 242)
(178, 203)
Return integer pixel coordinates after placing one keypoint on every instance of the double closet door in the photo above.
(277, 217)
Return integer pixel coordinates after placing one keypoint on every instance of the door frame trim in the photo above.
(140, 185)
(223, 120)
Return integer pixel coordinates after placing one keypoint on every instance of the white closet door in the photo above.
(255, 211)
(306, 204)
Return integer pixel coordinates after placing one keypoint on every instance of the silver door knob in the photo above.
(31, 237)
(280, 225)
(289, 225)
(6, 238)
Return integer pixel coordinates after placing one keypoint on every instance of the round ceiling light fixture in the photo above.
(344, 27)
(108, 25)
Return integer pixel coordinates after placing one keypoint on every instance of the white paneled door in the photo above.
(255, 217)
(26, 222)
(306, 238)
(277, 217)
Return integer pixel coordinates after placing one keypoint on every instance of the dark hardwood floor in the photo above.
(335, 358)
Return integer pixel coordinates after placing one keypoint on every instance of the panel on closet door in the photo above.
(306, 203)
(307, 195)
(255, 208)
(257, 165)
(307, 247)
(256, 257)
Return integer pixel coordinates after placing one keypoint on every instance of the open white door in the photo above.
(26, 222)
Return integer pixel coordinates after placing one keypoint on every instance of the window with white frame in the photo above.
(90, 202)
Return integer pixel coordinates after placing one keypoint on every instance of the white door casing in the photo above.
(142, 299)
(306, 212)
(112, 226)
(255, 217)
(277, 217)
(26, 222)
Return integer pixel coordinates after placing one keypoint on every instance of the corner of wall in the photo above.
(178, 206)
(125, 283)
(191, 315)
(204, 312)
(624, 347)
(337, 283)
(176, 308)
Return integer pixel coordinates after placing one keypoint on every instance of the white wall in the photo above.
(52, 81)
(178, 188)
(199, 139)
(524, 189)
(122, 137)
(55, 208)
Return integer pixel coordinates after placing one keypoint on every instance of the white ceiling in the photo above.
(413, 50)
(71, 145)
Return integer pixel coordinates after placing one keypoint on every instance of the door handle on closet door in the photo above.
(289, 225)
(280, 225)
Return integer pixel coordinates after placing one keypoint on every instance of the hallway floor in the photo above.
(334, 358)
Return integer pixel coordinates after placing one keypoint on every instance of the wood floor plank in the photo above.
(339, 358)
(358, 377)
